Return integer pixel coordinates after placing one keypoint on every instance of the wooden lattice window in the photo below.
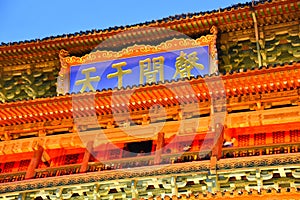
(8, 167)
(71, 159)
(24, 165)
(243, 140)
(294, 135)
(260, 139)
(278, 137)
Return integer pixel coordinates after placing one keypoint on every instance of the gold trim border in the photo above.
(136, 50)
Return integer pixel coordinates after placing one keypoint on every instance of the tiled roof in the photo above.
(166, 19)
(236, 17)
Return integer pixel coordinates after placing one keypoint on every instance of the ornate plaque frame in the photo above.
(63, 81)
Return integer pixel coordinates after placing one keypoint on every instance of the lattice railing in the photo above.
(11, 177)
(57, 171)
(270, 149)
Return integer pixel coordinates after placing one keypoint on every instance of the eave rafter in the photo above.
(142, 98)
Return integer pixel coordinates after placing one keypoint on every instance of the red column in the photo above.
(34, 163)
(86, 157)
(159, 148)
(218, 141)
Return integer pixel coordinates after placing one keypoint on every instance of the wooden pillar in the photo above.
(269, 138)
(159, 147)
(251, 139)
(218, 141)
(34, 163)
(287, 136)
(86, 157)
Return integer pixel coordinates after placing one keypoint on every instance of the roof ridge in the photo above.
(114, 28)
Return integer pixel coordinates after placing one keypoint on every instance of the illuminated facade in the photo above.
(43, 122)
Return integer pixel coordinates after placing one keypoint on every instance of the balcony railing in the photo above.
(148, 160)
(234, 152)
(141, 161)
(12, 176)
(57, 171)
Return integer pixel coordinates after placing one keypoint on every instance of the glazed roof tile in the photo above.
(166, 19)
(236, 17)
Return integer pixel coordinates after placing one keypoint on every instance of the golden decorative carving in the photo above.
(63, 76)
(135, 50)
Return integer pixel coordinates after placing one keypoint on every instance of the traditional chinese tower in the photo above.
(231, 134)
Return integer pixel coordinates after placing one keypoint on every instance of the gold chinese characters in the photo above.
(151, 70)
